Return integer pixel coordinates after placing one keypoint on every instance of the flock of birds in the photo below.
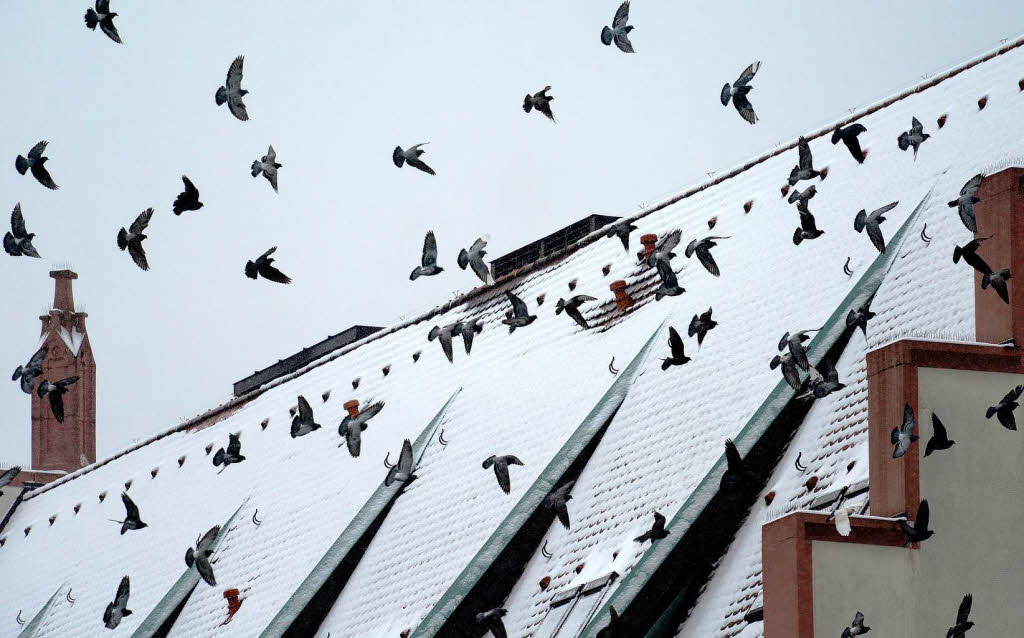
(792, 357)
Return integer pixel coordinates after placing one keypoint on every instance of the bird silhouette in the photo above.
(558, 501)
(940, 439)
(1004, 410)
(411, 156)
(118, 609)
(352, 427)
(656, 532)
(520, 316)
(200, 556)
(540, 101)
(700, 325)
(500, 465)
(669, 283)
(702, 248)
(267, 165)
(621, 230)
(133, 237)
(132, 520)
(857, 627)
(903, 437)
(444, 336)
(232, 91)
(915, 137)
(969, 253)
(104, 17)
(619, 31)
(963, 625)
(848, 135)
(919, 531)
(402, 472)
(428, 259)
(263, 267)
(678, 356)
(805, 166)
(870, 223)
(967, 199)
(474, 258)
(998, 281)
(738, 93)
(572, 308)
(18, 241)
(303, 422)
(491, 620)
(35, 162)
(56, 392)
(188, 199)
(233, 453)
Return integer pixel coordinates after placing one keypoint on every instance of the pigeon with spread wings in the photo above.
(500, 465)
(428, 259)
(104, 17)
(677, 356)
(702, 248)
(540, 101)
(56, 392)
(35, 163)
(133, 237)
(263, 267)
(805, 166)
(519, 316)
(232, 91)
(28, 372)
(966, 201)
(351, 427)
(118, 609)
(848, 135)
(267, 165)
(132, 520)
(474, 258)
(915, 137)
(18, 241)
(188, 199)
(871, 223)
(738, 93)
(619, 31)
(411, 156)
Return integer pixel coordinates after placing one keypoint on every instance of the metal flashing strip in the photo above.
(37, 621)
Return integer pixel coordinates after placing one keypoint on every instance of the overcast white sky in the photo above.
(334, 87)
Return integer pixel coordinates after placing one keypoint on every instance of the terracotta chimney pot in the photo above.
(352, 407)
(622, 299)
(648, 241)
(234, 604)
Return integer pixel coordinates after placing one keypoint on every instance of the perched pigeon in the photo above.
(519, 316)
(801, 197)
(444, 335)
(940, 439)
(474, 258)
(859, 317)
(232, 91)
(188, 199)
(919, 531)
(738, 92)
(56, 391)
(614, 627)
(677, 356)
(805, 169)
(18, 241)
(28, 372)
(966, 201)
(302, 422)
(969, 253)
(856, 628)
(702, 248)
(807, 229)
(35, 162)
(10, 474)
(621, 230)
(131, 515)
(789, 369)
(664, 247)
(914, 137)
(133, 237)
(998, 281)
(501, 464)
(795, 343)
(1004, 411)
(233, 453)
(903, 437)
(619, 31)
(200, 557)
(701, 325)
(351, 428)
(411, 156)
(736, 474)
(558, 500)
(470, 328)
(871, 223)
(540, 101)
(401, 472)
(267, 165)
(103, 16)
(572, 308)
(117, 609)
(428, 260)
(263, 266)
(491, 620)
(849, 137)
(657, 531)
(963, 625)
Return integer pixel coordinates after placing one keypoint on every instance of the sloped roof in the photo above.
(523, 394)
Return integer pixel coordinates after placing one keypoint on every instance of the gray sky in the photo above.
(334, 87)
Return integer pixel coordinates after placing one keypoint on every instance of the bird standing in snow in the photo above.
(966, 201)
(103, 16)
(738, 93)
(702, 248)
(621, 230)
(474, 258)
(864, 221)
(411, 156)
(132, 520)
(492, 621)
(572, 308)
(188, 199)
(28, 372)
(789, 369)
(402, 472)
(444, 336)
(351, 428)
(1004, 410)
(500, 464)
(117, 609)
(469, 328)
(267, 165)
(133, 237)
(701, 325)
(558, 500)
(428, 259)
(619, 31)
(233, 453)
(805, 167)
(849, 137)
(856, 628)
(963, 625)
(18, 241)
(808, 228)
(914, 137)
(232, 91)
(657, 531)
(969, 253)
(678, 356)
(35, 162)
(56, 392)
(919, 531)
(200, 557)
(940, 439)
(263, 266)
(540, 101)
(998, 281)
(303, 422)
(859, 317)
(519, 316)
(903, 437)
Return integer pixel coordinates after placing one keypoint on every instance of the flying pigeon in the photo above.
(474, 258)
(675, 344)
(966, 201)
(402, 471)
(969, 253)
(233, 453)
(801, 197)
(131, 516)
(428, 260)
(795, 342)
(805, 169)
(351, 428)
(856, 628)
(572, 308)
(789, 369)
(998, 281)
(1004, 411)
(469, 328)
(919, 532)
(822, 385)
(188, 199)
(18, 241)
(738, 92)
(807, 229)
(614, 627)
(664, 247)
(200, 557)
(10, 474)
(56, 391)
(849, 137)
(703, 250)
(267, 165)
(444, 335)
(914, 137)
(519, 316)
(411, 156)
(302, 422)
(619, 31)
(28, 372)
(501, 464)
(657, 531)
(621, 230)
(558, 500)
(903, 437)
(263, 266)
(860, 317)
(103, 17)
(492, 621)
(963, 625)
(736, 473)
(871, 223)
(940, 439)
(701, 325)
(540, 101)
(133, 237)
(35, 162)
(117, 609)
(232, 91)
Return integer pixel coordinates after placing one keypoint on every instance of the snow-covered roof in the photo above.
(526, 393)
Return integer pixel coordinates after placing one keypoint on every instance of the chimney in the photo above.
(352, 407)
(649, 241)
(1000, 216)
